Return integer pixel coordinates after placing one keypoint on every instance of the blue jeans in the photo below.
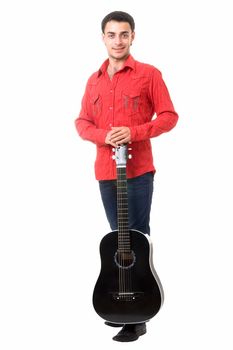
(140, 191)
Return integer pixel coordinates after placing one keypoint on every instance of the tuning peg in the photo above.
(130, 156)
(114, 149)
(129, 149)
(113, 157)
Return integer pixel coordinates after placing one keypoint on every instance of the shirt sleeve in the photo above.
(166, 117)
(85, 123)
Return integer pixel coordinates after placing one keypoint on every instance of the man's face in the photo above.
(118, 38)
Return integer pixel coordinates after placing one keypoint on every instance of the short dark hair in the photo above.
(118, 16)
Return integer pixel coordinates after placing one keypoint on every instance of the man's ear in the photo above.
(132, 37)
(102, 36)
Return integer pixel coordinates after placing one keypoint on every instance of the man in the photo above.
(118, 107)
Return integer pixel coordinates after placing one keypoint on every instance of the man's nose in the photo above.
(118, 39)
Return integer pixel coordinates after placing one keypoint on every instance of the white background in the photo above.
(52, 218)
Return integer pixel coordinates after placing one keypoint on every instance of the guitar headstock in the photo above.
(121, 155)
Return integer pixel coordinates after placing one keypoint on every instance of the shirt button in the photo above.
(111, 91)
(110, 107)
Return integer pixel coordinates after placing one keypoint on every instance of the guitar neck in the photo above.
(122, 210)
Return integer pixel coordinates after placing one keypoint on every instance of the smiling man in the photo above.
(118, 37)
(125, 101)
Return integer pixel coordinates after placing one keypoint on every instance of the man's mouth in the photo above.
(118, 48)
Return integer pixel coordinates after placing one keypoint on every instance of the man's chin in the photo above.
(119, 56)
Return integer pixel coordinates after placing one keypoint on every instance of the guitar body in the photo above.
(128, 289)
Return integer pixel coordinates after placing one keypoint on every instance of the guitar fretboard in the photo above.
(122, 211)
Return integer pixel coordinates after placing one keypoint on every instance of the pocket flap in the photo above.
(132, 94)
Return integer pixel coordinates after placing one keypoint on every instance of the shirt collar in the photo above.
(129, 62)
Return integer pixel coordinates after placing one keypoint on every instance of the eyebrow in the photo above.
(124, 32)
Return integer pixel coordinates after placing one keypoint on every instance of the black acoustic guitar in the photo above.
(128, 289)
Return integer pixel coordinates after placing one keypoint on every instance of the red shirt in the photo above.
(134, 95)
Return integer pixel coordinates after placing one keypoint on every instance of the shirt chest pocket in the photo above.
(131, 101)
(96, 104)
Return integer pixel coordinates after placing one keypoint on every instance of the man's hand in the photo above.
(118, 135)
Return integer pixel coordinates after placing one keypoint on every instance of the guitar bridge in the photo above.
(127, 296)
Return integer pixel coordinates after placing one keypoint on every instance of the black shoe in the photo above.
(114, 324)
(130, 332)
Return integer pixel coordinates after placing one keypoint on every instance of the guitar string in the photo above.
(121, 272)
(121, 268)
(128, 251)
(125, 281)
(124, 224)
(118, 251)
(125, 228)
(124, 198)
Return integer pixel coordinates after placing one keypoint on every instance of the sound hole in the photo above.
(125, 259)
